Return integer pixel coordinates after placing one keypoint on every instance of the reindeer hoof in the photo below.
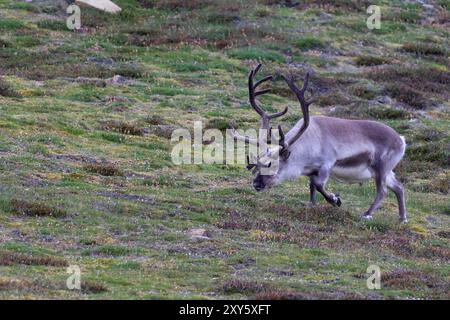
(336, 200)
(403, 220)
(366, 217)
(310, 204)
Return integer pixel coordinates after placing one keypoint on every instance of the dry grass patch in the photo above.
(406, 94)
(408, 170)
(163, 130)
(281, 295)
(17, 284)
(444, 234)
(327, 5)
(11, 258)
(419, 78)
(333, 98)
(155, 119)
(434, 252)
(370, 60)
(413, 279)
(93, 287)
(243, 287)
(384, 112)
(6, 90)
(103, 169)
(305, 295)
(236, 220)
(436, 152)
(176, 4)
(403, 242)
(123, 127)
(325, 215)
(35, 209)
(423, 48)
(5, 43)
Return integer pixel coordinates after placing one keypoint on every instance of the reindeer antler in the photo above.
(304, 104)
(265, 118)
(252, 93)
(265, 129)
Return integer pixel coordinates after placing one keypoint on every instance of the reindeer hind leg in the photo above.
(394, 185)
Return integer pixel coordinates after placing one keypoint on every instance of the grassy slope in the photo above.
(126, 223)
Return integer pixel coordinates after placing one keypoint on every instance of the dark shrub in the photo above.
(34, 209)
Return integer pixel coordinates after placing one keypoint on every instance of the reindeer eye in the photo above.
(285, 154)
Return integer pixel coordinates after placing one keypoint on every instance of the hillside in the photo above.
(86, 176)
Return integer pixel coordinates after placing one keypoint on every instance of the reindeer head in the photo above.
(272, 163)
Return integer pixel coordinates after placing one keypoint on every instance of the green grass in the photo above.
(11, 24)
(87, 178)
(309, 42)
(55, 25)
(256, 54)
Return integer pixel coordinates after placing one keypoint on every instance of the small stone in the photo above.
(101, 61)
(198, 234)
(384, 100)
(199, 238)
(91, 81)
(416, 124)
(104, 5)
(117, 79)
(164, 131)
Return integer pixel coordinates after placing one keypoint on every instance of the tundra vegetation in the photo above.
(86, 174)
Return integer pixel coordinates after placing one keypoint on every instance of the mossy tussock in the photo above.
(424, 49)
(6, 89)
(243, 286)
(280, 294)
(93, 287)
(104, 169)
(19, 285)
(11, 258)
(367, 60)
(35, 209)
(411, 279)
(123, 127)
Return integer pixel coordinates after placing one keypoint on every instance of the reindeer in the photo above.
(319, 147)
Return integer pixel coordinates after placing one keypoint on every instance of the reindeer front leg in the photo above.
(319, 181)
(380, 182)
(312, 191)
